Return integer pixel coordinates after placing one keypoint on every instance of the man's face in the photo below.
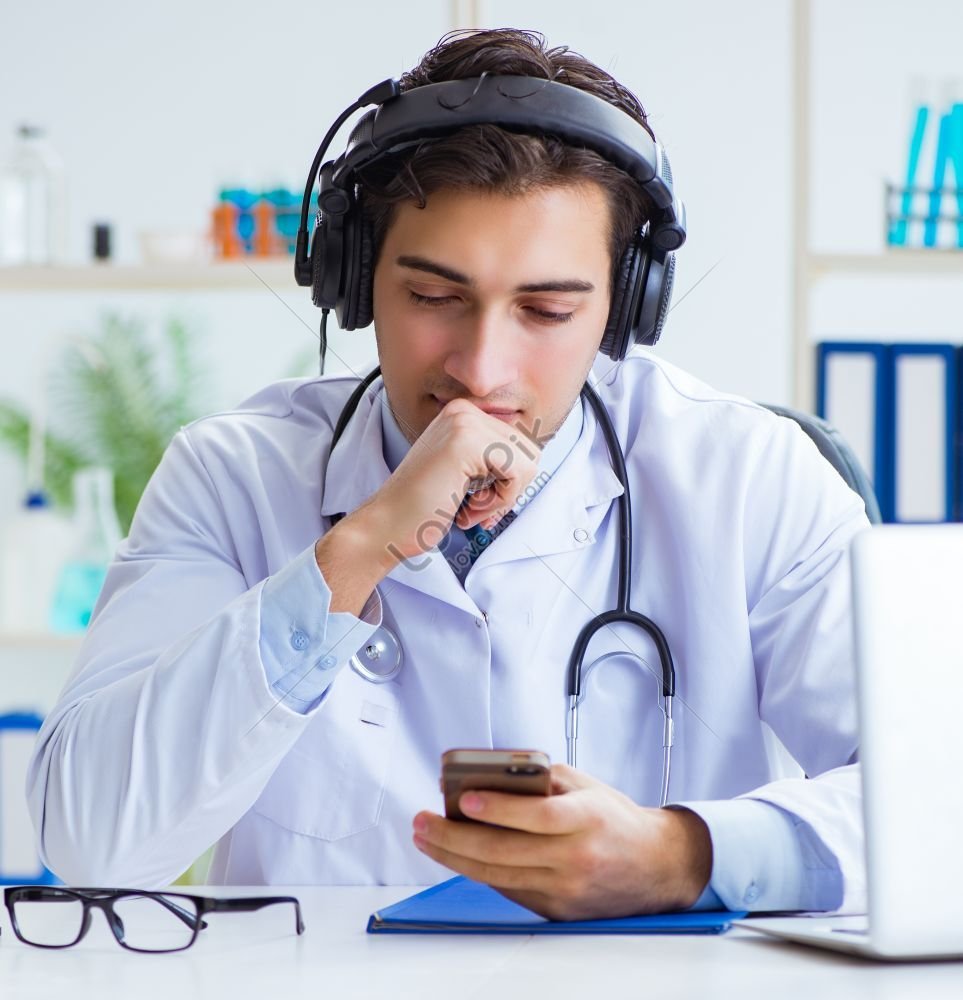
(501, 300)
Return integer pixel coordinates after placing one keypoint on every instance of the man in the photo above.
(213, 702)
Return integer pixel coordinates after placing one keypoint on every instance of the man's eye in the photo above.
(544, 316)
(431, 300)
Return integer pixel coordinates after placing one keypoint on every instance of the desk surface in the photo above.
(257, 955)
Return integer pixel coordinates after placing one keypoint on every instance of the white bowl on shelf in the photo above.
(174, 246)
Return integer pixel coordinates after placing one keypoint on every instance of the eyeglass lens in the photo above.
(144, 923)
(54, 921)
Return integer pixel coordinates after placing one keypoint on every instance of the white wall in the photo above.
(715, 81)
(154, 107)
(876, 60)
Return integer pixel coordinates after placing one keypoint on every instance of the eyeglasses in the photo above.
(54, 917)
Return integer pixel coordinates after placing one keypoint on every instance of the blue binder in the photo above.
(21, 722)
(925, 393)
(460, 906)
(854, 393)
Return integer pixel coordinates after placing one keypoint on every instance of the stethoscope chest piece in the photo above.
(380, 659)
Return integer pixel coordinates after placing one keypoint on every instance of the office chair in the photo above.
(17, 723)
(837, 452)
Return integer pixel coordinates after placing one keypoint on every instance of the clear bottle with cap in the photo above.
(34, 540)
(96, 534)
(32, 202)
(33, 543)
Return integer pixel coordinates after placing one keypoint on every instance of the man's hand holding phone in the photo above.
(584, 851)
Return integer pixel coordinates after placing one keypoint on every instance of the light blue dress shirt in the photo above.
(764, 858)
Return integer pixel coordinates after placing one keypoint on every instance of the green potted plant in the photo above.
(119, 396)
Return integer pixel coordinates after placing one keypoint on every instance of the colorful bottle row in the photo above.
(250, 222)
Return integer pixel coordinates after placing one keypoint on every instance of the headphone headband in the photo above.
(518, 104)
(339, 267)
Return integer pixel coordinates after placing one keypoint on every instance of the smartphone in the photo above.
(523, 772)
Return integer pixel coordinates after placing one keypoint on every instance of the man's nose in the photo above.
(485, 358)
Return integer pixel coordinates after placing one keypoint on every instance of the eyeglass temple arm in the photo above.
(247, 903)
(180, 913)
(158, 897)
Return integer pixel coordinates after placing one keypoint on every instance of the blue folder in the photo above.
(20, 722)
(854, 393)
(924, 383)
(460, 906)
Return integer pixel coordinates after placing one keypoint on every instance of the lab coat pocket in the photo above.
(332, 782)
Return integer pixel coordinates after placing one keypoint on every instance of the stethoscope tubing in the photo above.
(622, 613)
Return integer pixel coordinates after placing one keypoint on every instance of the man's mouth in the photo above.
(500, 412)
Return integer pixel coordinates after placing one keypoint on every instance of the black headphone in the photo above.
(339, 269)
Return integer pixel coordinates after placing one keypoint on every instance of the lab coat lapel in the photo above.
(564, 514)
(431, 575)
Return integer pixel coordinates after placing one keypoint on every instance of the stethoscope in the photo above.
(380, 660)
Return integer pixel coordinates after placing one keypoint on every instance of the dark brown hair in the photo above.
(488, 158)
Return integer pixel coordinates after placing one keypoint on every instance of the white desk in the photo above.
(253, 955)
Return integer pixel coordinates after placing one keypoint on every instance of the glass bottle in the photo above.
(32, 546)
(32, 202)
(96, 536)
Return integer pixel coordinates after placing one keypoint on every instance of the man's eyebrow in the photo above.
(569, 285)
(423, 264)
(431, 267)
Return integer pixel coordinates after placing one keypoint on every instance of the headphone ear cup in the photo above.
(666, 297)
(327, 261)
(317, 265)
(364, 291)
(616, 339)
(655, 299)
(354, 308)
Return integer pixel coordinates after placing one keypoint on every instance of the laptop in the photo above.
(908, 618)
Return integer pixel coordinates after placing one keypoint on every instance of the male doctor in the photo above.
(213, 699)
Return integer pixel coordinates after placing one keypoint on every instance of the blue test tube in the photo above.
(944, 146)
(897, 235)
(957, 115)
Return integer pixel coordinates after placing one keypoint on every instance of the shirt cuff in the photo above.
(303, 647)
(765, 858)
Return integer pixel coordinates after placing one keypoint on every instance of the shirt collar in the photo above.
(395, 444)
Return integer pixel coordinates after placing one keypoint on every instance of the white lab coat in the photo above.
(166, 737)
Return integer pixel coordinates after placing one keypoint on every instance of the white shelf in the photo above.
(248, 274)
(911, 261)
(39, 640)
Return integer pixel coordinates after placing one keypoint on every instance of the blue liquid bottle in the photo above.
(96, 536)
